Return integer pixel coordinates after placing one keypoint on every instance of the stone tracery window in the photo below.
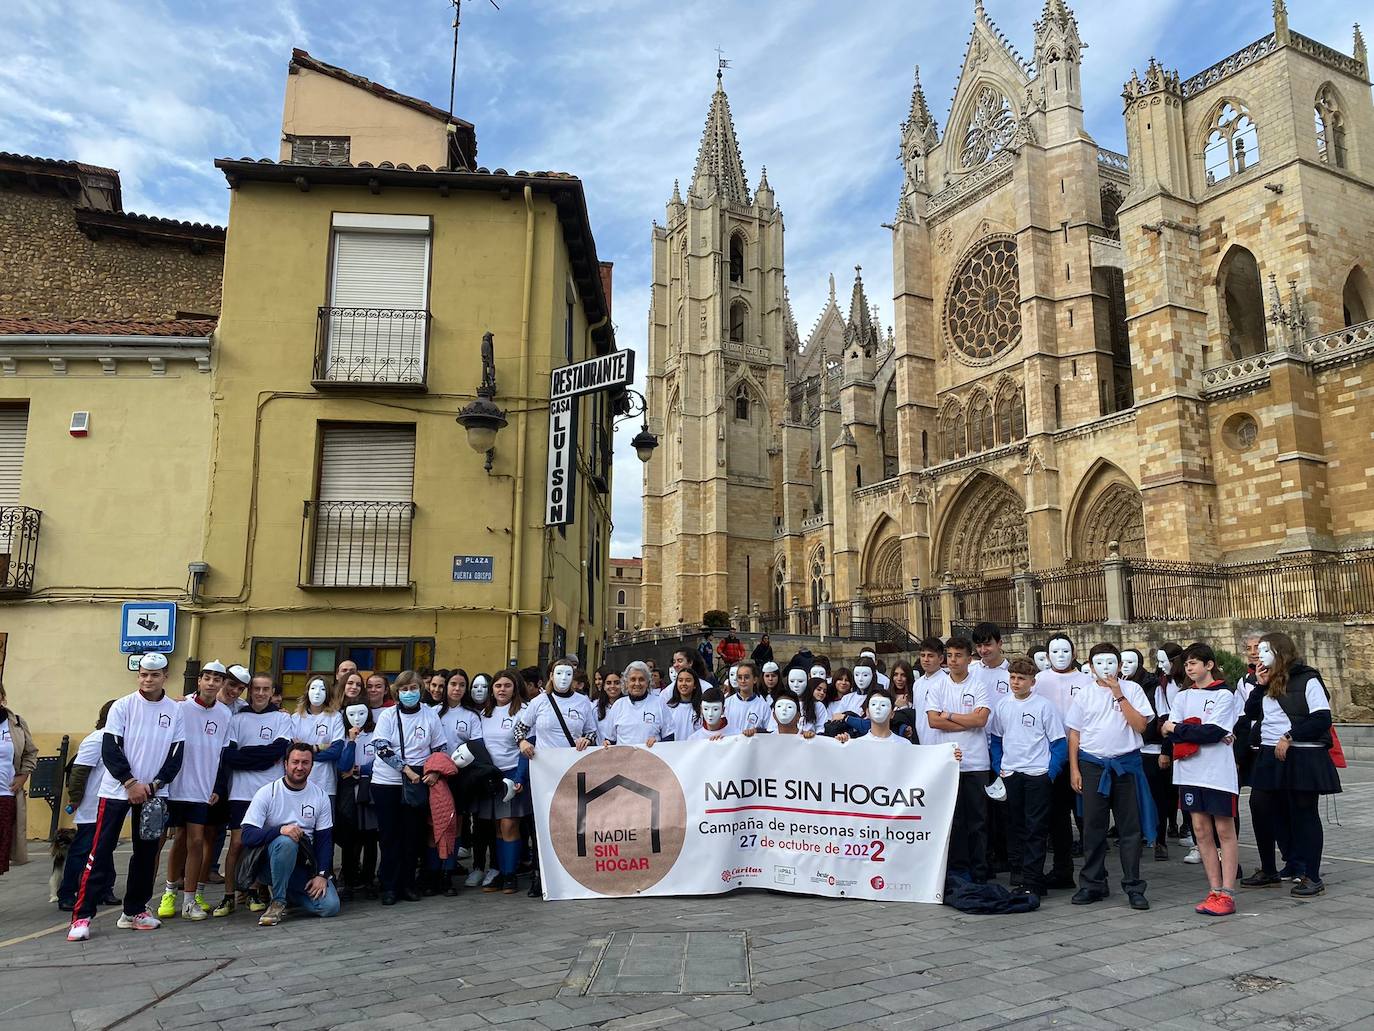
(1330, 127)
(742, 403)
(980, 424)
(1232, 145)
(983, 301)
(990, 128)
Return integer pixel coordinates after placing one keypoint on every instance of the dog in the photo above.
(61, 845)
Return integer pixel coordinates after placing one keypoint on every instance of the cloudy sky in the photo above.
(615, 92)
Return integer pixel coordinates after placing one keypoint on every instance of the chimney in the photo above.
(606, 267)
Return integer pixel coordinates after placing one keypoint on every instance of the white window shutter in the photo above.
(364, 511)
(375, 275)
(14, 424)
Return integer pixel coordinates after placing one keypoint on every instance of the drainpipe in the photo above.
(521, 426)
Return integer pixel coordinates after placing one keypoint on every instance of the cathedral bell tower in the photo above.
(715, 387)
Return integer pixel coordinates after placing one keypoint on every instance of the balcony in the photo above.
(355, 544)
(18, 549)
(376, 347)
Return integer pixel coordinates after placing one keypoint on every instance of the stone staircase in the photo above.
(1357, 739)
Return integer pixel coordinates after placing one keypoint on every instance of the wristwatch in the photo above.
(154, 787)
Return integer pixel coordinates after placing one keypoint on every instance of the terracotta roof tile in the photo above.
(302, 59)
(55, 164)
(34, 325)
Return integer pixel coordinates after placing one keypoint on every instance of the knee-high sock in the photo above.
(507, 856)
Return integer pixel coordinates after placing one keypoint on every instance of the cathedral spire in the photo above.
(1281, 21)
(1360, 53)
(859, 329)
(720, 169)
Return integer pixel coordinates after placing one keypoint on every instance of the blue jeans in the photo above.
(289, 880)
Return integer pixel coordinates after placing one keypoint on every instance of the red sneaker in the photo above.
(1218, 903)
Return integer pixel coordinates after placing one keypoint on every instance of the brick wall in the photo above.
(48, 267)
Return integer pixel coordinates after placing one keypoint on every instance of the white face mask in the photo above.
(870, 656)
(562, 679)
(1042, 660)
(818, 672)
(796, 681)
(1106, 665)
(1266, 655)
(1085, 667)
(711, 712)
(462, 757)
(357, 715)
(1061, 654)
(785, 711)
(480, 690)
(879, 708)
(1162, 662)
(1130, 662)
(317, 692)
(863, 679)
(734, 678)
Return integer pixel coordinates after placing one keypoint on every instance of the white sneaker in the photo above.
(1187, 840)
(490, 876)
(1193, 857)
(464, 854)
(80, 931)
(474, 878)
(145, 921)
(191, 911)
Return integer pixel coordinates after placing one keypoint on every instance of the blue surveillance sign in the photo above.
(148, 626)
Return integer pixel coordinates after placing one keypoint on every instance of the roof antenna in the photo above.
(453, 71)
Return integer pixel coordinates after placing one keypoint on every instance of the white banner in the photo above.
(813, 817)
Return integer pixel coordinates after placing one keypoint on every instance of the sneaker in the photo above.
(474, 878)
(273, 915)
(145, 921)
(167, 908)
(495, 884)
(1218, 903)
(1260, 879)
(1193, 857)
(1187, 839)
(226, 907)
(1161, 852)
(80, 931)
(193, 912)
(463, 854)
(1306, 888)
(255, 904)
(201, 903)
(489, 877)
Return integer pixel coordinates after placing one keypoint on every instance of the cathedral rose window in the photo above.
(990, 128)
(983, 303)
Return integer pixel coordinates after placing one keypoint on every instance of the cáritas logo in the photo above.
(618, 820)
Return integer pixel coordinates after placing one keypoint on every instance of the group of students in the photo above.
(410, 778)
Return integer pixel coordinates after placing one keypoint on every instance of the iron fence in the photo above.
(18, 548)
(1172, 591)
(773, 622)
(356, 544)
(1072, 596)
(377, 346)
(990, 601)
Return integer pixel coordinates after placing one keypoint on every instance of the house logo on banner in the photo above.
(618, 820)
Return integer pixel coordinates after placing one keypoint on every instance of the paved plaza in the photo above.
(745, 960)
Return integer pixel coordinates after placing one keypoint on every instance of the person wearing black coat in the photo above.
(763, 651)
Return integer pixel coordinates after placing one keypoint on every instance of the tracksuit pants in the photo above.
(98, 878)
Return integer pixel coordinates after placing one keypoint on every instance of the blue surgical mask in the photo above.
(410, 697)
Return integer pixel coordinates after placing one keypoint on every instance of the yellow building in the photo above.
(345, 494)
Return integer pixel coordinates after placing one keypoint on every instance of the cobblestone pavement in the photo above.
(509, 961)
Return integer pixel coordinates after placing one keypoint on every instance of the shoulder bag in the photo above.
(414, 793)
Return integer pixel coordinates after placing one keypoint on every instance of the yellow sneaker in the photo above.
(201, 903)
(226, 907)
(167, 908)
(255, 904)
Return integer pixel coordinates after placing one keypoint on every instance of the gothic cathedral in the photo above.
(1160, 354)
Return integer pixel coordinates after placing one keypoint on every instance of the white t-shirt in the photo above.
(851, 704)
(757, 712)
(964, 698)
(813, 715)
(702, 734)
(1061, 688)
(1213, 765)
(635, 722)
(1096, 715)
(149, 730)
(323, 730)
(423, 735)
(363, 752)
(997, 679)
(276, 805)
(1276, 722)
(498, 731)
(683, 719)
(1164, 701)
(207, 735)
(1027, 728)
(460, 725)
(890, 739)
(249, 729)
(6, 759)
(920, 702)
(578, 712)
(88, 754)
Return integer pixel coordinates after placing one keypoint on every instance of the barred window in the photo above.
(318, 150)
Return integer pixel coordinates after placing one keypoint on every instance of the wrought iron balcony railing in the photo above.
(386, 347)
(356, 544)
(18, 548)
